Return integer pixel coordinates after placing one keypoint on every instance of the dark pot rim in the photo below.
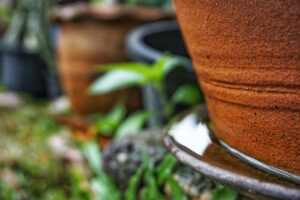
(5, 48)
(136, 46)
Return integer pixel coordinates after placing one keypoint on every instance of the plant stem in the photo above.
(168, 107)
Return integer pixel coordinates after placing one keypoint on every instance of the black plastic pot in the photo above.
(23, 72)
(148, 43)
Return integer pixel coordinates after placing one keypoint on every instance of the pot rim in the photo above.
(10, 49)
(108, 12)
(135, 43)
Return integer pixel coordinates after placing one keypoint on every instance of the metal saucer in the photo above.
(189, 138)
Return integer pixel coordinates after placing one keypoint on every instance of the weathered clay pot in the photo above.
(246, 55)
(93, 36)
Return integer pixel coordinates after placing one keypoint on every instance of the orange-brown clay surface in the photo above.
(247, 56)
(93, 36)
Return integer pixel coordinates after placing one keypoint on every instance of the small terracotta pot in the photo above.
(246, 55)
(93, 36)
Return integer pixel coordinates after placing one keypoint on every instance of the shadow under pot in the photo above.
(23, 71)
(247, 60)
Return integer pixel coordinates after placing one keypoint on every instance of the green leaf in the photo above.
(156, 72)
(93, 156)
(176, 190)
(153, 190)
(116, 80)
(187, 94)
(165, 168)
(160, 64)
(102, 185)
(104, 126)
(105, 189)
(151, 184)
(117, 113)
(131, 192)
(133, 124)
(224, 193)
(77, 188)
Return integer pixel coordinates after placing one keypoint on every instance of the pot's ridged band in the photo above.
(263, 97)
(260, 76)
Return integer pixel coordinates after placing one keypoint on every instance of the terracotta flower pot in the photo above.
(246, 55)
(93, 36)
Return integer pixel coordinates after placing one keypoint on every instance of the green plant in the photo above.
(29, 29)
(124, 75)
(5, 13)
(101, 183)
(116, 124)
(224, 193)
(150, 181)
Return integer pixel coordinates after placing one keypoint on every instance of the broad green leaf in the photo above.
(133, 124)
(224, 193)
(93, 156)
(176, 190)
(156, 71)
(165, 168)
(187, 94)
(117, 113)
(130, 66)
(115, 80)
(105, 126)
(160, 64)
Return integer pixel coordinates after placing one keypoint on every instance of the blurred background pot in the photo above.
(28, 49)
(23, 71)
(148, 43)
(93, 36)
(246, 56)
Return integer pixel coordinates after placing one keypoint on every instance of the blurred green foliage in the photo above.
(149, 181)
(116, 124)
(101, 183)
(5, 14)
(28, 168)
(125, 75)
(224, 193)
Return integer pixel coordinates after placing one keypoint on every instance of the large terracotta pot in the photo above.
(246, 55)
(93, 36)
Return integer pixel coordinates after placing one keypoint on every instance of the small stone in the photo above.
(59, 106)
(10, 100)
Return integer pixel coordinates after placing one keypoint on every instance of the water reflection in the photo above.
(192, 134)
